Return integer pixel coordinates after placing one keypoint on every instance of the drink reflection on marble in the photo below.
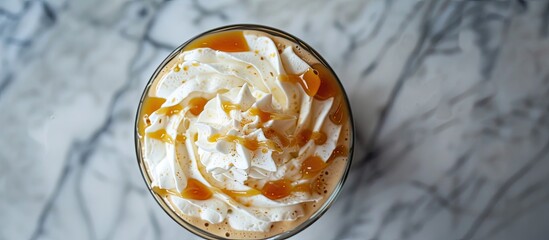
(244, 132)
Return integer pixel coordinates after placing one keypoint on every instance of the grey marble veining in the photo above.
(450, 100)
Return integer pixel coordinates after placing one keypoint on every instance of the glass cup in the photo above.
(277, 33)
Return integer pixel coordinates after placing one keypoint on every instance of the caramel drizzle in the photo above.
(254, 111)
(251, 144)
(304, 136)
(194, 190)
(150, 104)
(196, 105)
(230, 41)
(161, 135)
(237, 194)
(309, 81)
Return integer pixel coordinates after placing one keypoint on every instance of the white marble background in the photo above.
(450, 100)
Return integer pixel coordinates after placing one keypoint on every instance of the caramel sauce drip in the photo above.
(194, 190)
(266, 116)
(150, 104)
(319, 138)
(339, 151)
(237, 194)
(277, 189)
(305, 135)
(197, 105)
(276, 136)
(230, 41)
(263, 116)
(338, 116)
(164, 192)
(169, 111)
(161, 135)
(328, 87)
(214, 137)
(312, 166)
(309, 81)
(180, 138)
(228, 107)
(251, 144)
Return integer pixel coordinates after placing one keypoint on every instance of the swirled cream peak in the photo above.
(234, 135)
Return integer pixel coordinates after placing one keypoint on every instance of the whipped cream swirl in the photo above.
(242, 139)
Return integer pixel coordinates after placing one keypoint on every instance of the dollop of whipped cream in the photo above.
(243, 139)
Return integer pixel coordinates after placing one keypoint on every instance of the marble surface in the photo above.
(450, 101)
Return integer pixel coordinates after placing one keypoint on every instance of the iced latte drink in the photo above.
(244, 132)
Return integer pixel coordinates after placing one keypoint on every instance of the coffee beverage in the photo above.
(244, 133)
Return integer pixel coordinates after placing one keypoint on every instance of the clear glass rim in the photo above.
(278, 33)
